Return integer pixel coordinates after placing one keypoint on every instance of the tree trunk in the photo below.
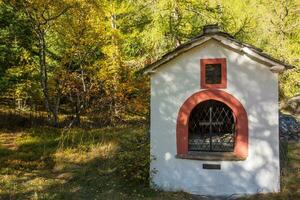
(77, 110)
(116, 79)
(57, 104)
(43, 71)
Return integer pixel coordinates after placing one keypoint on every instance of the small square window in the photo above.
(213, 74)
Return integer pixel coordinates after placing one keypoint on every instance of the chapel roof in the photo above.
(212, 32)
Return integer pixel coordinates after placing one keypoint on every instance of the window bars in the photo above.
(211, 127)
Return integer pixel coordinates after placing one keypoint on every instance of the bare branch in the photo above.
(56, 16)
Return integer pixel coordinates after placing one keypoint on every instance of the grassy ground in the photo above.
(104, 163)
(48, 163)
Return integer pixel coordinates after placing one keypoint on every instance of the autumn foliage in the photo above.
(84, 59)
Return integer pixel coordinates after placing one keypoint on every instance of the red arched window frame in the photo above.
(241, 145)
(210, 61)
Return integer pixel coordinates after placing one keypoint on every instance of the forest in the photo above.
(84, 58)
(72, 87)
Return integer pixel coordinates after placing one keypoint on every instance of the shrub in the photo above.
(134, 157)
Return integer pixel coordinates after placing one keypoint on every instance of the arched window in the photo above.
(212, 121)
(211, 127)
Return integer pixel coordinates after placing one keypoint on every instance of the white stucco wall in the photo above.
(255, 87)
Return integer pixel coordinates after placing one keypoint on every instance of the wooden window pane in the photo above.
(213, 74)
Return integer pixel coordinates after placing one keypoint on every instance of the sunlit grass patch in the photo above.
(39, 184)
(8, 183)
(84, 155)
(25, 185)
(70, 157)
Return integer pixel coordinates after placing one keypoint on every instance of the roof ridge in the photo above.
(212, 35)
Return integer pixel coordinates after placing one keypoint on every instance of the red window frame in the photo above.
(240, 114)
(203, 63)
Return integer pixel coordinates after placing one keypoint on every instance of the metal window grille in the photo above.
(211, 127)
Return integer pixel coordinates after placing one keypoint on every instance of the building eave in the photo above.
(253, 52)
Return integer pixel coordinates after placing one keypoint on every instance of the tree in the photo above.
(79, 44)
(15, 48)
(42, 15)
(282, 34)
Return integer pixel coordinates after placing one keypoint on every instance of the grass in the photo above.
(48, 163)
(104, 163)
